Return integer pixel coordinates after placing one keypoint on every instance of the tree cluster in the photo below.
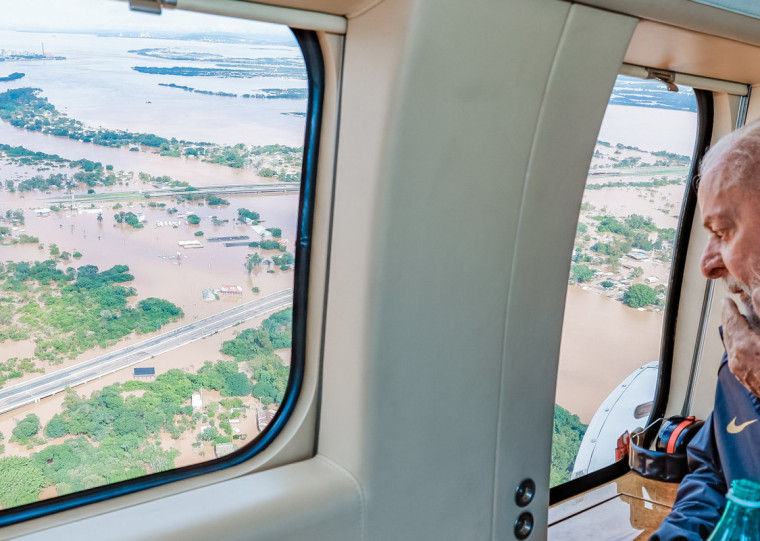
(582, 273)
(257, 346)
(639, 295)
(129, 218)
(73, 311)
(566, 441)
(245, 214)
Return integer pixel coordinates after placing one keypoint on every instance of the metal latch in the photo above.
(151, 6)
(664, 76)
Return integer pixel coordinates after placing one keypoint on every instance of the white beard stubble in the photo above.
(746, 297)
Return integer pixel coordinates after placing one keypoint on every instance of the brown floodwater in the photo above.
(652, 203)
(194, 171)
(603, 342)
(97, 85)
(160, 266)
(161, 269)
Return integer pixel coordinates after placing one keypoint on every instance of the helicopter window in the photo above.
(150, 202)
(619, 275)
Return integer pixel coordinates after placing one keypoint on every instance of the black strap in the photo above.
(661, 466)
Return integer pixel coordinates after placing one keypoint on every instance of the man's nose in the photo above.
(711, 264)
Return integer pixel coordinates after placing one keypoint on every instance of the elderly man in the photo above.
(728, 446)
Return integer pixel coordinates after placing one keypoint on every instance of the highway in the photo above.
(33, 390)
(230, 189)
(270, 187)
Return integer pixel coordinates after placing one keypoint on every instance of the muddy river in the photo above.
(97, 85)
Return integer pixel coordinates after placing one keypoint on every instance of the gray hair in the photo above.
(738, 157)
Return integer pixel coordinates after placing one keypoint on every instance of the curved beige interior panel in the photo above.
(689, 15)
(348, 8)
(658, 45)
(295, 18)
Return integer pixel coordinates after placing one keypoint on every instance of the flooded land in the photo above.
(624, 245)
(149, 184)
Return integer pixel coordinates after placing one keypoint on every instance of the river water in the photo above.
(95, 84)
(650, 128)
(603, 342)
(190, 170)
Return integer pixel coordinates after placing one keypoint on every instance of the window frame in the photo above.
(604, 475)
(314, 61)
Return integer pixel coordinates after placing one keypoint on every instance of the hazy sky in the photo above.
(115, 15)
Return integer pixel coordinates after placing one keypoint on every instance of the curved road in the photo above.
(34, 389)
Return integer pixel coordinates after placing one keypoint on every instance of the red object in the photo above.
(621, 451)
(671, 448)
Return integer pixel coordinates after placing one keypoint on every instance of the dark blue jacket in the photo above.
(726, 448)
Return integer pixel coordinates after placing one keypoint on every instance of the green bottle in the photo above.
(741, 519)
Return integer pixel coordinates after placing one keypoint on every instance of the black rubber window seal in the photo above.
(312, 54)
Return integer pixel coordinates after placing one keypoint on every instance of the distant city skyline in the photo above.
(115, 16)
